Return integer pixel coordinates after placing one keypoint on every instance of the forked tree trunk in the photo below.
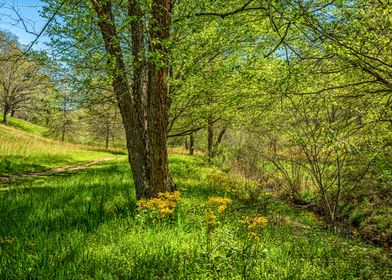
(144, 106)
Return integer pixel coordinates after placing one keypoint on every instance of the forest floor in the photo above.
(87, 224)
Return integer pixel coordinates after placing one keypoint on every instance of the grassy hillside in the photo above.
(23, 149)
(26, 126)
(87, 226)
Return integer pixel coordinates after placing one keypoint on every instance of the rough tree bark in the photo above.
(143, 105)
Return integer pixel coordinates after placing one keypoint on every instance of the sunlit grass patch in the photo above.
(26, 126)
(86, 226)
(21, 152)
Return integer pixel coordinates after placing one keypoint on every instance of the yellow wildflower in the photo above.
(254, 224)
(216, 206)
(164, 204)
(211, 219)
(219, 200)
(222, 208)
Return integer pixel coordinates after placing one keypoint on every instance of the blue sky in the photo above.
(28, 10)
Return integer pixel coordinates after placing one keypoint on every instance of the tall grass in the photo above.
(85, 226)
(26, 126)
(25, 152)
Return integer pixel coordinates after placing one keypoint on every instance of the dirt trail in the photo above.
(69, 168)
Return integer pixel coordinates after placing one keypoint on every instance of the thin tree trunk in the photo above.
(191, 144)
(63, 130)
(63, 134)
(218, 141)
(64, 121)
(107, 131)
(107, 140)
(210, 138)
(47, 118)
(5, 113)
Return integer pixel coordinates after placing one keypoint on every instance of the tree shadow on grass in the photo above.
(17, 164)
(65, 202)
(83, 200)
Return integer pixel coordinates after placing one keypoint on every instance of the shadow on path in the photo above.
(4, 179)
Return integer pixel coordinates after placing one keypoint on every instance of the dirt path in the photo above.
(74, 167)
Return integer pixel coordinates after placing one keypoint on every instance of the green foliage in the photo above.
(304, 91)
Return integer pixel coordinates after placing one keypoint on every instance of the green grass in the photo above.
(85, 226)
(22, 151)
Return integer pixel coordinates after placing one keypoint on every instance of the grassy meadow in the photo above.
(23, 149)
(87, 226)
(26, 126)
(187, 140)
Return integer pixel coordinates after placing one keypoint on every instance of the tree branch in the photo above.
(243, 8)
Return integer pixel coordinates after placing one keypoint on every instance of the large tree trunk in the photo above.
(144, 106)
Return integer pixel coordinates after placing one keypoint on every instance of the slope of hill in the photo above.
(23, 149)
(26, 126)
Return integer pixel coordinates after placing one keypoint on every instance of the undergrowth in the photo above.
(87, 226)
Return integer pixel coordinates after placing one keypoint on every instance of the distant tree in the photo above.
(20, 77)
(104, 119)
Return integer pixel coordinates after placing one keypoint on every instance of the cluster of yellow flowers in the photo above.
(255, 224)
(220, 202)
(211, 219)
(216, 205)
(164, 204)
